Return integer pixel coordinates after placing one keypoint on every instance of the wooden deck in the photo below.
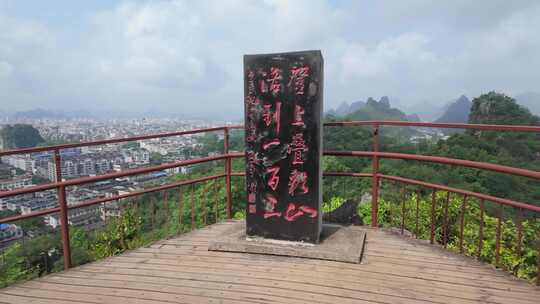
(395, 269)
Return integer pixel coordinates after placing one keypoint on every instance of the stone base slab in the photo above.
(338, 243)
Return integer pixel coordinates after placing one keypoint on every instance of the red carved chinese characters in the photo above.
(251, 101)
(270, 82)
(297, 148)
(293, 213)
(251, 83)
(251, 132)
(275, 80)
(298, 116)
(273, 181)
(298, 76)
(269, 117)
(270, 207)
(298, 179)
(271, 143)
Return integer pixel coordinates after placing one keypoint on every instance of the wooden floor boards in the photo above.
(395, 269)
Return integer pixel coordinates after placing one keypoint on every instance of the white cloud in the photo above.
(187, 55)
(408, 52)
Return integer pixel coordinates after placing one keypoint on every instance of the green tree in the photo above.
(20, 136)
(12, 266)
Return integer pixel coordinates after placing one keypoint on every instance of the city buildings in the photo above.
(15, 182)
(17, 171)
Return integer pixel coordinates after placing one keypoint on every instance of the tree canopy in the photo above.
(20, 136)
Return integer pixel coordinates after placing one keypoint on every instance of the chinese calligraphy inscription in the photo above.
(283, 112)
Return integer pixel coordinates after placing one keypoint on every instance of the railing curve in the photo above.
(227, 156)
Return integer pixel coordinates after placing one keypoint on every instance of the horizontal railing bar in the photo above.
(29, 215)
(130, 172)
(110, 141)
(441, 160)
(513, 128)
(351, 174)
(486, 197)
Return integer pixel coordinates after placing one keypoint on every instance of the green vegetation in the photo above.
(156, 158)
(522, 266)
(507, 148)
(20, 136)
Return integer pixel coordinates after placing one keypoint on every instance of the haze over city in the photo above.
(185, 57)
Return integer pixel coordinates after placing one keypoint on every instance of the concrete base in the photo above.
(338, 243)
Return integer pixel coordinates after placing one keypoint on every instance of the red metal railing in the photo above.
(375, 176)
(60, 185)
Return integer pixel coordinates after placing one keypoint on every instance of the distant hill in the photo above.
(20, 136)
(370, 110)
(457, 111)
(345, 108)
(530, 100)
(426, 111)
(377, 110)
(495, 108)
(382, 110)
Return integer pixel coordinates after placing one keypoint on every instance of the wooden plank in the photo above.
(466, 262)
(308, 268)
(114, 295)
(400, 286)
(267, 293)
(242, 284)
(478, 280)
(9, 298)
(337, 280)
(333, 294)
(284, 266)
(55, 296)
(455, 270)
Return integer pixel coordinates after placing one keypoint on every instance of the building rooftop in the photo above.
(395, 269)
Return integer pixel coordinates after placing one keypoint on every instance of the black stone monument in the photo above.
(283, 114)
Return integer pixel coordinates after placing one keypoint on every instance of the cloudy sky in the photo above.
(186, 56)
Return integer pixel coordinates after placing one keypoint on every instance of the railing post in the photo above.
(447, 202)
(64, 223)
(216, 201)
(205, 202)
(462, 223)
(498, 238)
(180, 207)
(192, 206)
(520, 232)
(417, 226)
(375, 178)
(227, 170)
(403, 211)
(433, 210)
(481, 231)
